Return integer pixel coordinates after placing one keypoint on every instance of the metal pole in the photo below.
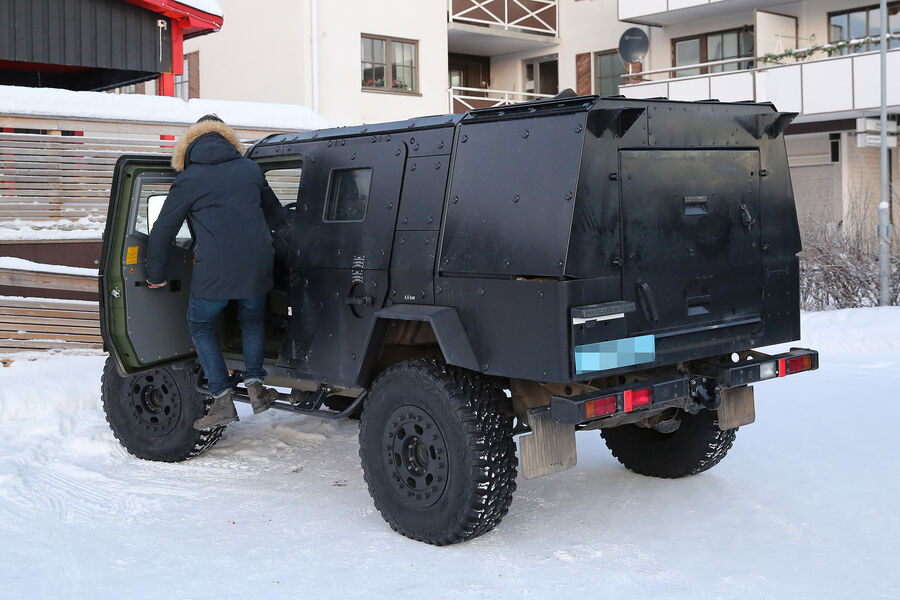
(314, 17)
(884, 224)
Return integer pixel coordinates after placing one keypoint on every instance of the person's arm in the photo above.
(163, 232)
(271, 207)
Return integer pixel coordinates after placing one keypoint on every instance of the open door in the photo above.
(142, 327)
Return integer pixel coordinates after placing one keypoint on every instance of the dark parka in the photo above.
(231, 210)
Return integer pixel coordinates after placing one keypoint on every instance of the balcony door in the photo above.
(542, 75)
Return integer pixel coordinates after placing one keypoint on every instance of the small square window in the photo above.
(348, 195)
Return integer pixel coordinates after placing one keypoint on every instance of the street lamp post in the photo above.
(884, 217)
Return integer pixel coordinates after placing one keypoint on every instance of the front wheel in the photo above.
(437, 452)
(684, 445)
(152, 413)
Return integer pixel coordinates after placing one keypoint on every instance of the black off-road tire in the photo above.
(152, 413)
(697, 445)
(458, 473)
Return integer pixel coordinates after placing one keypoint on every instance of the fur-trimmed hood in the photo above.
(200, 129)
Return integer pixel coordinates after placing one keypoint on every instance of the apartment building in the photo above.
(360, 61)
(816, 57)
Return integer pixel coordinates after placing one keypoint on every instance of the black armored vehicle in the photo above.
(531, 270)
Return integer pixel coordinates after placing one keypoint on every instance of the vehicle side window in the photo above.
(152, 194)
(348, 195)
(285, 182)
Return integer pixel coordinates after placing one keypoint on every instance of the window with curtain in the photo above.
(389, 64)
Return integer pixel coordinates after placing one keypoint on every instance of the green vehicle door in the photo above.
(142, 327)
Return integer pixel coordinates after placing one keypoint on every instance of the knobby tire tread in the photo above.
(203, 440)
(490, 446)
(695, 451)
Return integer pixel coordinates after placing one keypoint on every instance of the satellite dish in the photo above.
(633, 45)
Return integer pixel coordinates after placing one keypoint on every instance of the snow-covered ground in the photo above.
(804, 506)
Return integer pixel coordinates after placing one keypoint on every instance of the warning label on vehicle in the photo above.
(131, 255)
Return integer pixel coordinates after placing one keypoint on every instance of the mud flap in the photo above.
(737, 407)
(549, 448)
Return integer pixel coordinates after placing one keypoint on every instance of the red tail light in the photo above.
(799, 363)
(637, 398)
(600, 407)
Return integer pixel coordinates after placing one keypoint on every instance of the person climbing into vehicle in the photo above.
(232, 211)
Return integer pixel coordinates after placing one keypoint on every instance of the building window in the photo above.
(834, 143)
(382, 53)
(712, 47)
(182, 85)
(608, 71)
(863, 22)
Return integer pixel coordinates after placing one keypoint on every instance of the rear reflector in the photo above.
(799, 363)
(768, 370)
(637, 398)
(600, 407)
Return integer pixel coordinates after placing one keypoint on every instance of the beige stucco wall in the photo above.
(342, 22)
(264, 53)
(261, 53)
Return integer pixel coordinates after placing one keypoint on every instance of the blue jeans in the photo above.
(202, 316)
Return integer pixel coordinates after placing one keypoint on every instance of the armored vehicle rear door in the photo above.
(691, 234)
(141, 326)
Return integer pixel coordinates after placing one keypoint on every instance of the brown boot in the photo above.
(222, 412)
(261, 398)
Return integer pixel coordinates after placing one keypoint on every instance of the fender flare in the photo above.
(444, 321)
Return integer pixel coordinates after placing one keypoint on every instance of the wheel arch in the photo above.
(444, 322)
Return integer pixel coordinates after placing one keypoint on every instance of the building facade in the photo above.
(358, 61)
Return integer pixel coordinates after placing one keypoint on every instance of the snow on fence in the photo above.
(58, 149)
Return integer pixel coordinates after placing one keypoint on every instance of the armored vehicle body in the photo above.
(533, 270)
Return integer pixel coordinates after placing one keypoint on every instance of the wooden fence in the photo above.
(55, 177)
(56, 174)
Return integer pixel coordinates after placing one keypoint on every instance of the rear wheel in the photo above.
(152, 413)
(437, 452)
(684, 445)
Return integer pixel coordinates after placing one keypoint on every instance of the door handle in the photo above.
(174, 285)
(746, 218)
(648, 304)
(364, 300)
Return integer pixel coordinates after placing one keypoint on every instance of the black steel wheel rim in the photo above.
(416, 456)
(153, 402)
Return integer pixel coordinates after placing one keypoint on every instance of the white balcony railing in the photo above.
(671, 12)
(463, 99)
(534, 16)
(826, 86)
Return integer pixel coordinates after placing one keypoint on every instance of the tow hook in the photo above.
(703, 390)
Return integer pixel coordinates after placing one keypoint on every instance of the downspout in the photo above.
(315, 54)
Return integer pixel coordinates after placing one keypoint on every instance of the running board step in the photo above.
(307, 403)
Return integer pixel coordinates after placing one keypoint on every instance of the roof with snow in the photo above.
(100, 106)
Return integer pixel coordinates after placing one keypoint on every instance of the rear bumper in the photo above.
(700, 388)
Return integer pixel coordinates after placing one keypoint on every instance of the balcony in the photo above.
(493, 27)
(463, 99)
(671, 12)
(828, 88)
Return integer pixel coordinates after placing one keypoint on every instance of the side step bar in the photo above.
(307, 403)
